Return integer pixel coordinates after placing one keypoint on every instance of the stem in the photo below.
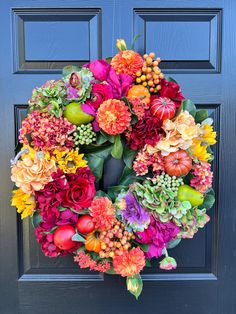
(17, 157)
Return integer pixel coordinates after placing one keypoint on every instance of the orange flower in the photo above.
(113, 116)
(128, 62)
(32, 172)
(103, 212)
(130, 263)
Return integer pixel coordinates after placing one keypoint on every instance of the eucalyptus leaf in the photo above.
(78, 238)
(189, 106)
(173, 243)
(117, 149)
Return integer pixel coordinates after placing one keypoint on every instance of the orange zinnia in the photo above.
(127, 62)
(130, 263)
(113, 116)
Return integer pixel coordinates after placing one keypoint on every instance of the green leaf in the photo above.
(78, 238)
(201, 115)
(51, 231)
(36, 219)
(62, 209)
(117, 148)
(100, 139)
(108, 59)
(189, 106)
(173, 243)
(134, 40)
(209, 200)
(113, 191)
(110, 138)
(111, 271)
(96, 165)
(128, 156)
(170, 79)
(144, 247)
(127, 176)
(134, 285)
(134, 119)
(148, 262)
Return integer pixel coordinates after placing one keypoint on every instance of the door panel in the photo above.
(197, 46)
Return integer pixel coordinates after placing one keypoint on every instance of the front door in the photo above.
(196, 41)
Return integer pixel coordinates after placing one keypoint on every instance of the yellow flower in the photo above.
(208, 136)
(199, 151)
(24, 203)
(69, 162)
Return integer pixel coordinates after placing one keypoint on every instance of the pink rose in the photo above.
(100, 92)
(99, 68)
(120, 84)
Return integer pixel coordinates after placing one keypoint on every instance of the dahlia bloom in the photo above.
(103, 212)
(113, 116)
(32, 173)
(130, 263)
(127, 62)
(144, 160)
(70, 161)
(47, 132)
(145, 131)
(24, 203)
(168, 263)
(157, 236)
(203, 177)
(85, 261)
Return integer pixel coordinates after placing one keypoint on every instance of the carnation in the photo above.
(103, 212)
(157, 236)
(146, 131)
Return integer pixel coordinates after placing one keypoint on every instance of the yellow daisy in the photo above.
(199, 151)
(208, 136)
(24, 203)
(69, 162)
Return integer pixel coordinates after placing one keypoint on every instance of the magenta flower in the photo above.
(157, 236)
(99, 68)
(120, 83)
(99, 93)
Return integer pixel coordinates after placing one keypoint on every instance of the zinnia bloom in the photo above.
(69, 162)
(24, 203)
(157, 236)
(127, 62)
(145, 131)
(113, 116)
(130, 263)
(203, 177)
(32, 173)
(134, 214)
(103, 212)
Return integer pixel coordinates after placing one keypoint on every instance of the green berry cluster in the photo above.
(167, 182)
(84, 134)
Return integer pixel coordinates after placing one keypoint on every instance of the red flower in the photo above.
(100, 93)
(82, 189)
(171, 90)
(145, 131)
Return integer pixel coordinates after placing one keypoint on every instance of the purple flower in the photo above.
(120, 83)
(157, 236)
(134, 214)
(99, 68)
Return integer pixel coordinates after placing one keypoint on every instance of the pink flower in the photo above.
(85, 261)
(157, 235)
(99, 68)
(120, 83)
(100, 93)
(203, 177)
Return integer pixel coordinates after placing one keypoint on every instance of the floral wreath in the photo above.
(122, 108)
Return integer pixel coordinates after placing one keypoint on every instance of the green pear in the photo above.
(75, 115)
(186, 193)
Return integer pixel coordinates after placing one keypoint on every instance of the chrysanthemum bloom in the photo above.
(31, 174)
(168, 263)
(208, 136)
(103, 212)
(113, 116)
(24, 203)
(203, 176)
(130, 263)
(70, 161)
(127, 62)
(199, 151)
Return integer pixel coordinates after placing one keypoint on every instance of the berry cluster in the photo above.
(84, 135)
(167, 182)
(150, 75)
(115, 240)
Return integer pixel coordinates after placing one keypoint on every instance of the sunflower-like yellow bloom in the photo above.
(24, 203)
(208, 135)
(69, 162)
(199, 151)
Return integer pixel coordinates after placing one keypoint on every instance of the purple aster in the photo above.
(134, 215)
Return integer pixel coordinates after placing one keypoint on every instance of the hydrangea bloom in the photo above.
(203, 177)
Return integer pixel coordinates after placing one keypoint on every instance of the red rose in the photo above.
(171, 90)
(81, 189)
(100, 92)
(145, 131)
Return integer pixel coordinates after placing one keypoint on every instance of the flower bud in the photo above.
(121, 44)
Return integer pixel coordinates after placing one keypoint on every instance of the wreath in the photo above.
(122, 108)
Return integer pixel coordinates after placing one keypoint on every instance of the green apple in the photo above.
(75, 115)
(186, 193)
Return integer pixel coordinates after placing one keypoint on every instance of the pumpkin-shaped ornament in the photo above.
(93, 242)
(163, 108)
(178, 163)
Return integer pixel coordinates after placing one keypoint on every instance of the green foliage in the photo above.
(117, 149)
(36, 219)
(209, 200)
(128, 156)
(134, 285)
(189, 106)
(78, 238)
(173, 243)
(201, 115)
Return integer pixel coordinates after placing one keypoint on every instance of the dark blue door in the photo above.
(196, 40)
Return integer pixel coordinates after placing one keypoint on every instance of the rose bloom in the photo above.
(171, 90)
(99, 68)
(130, 263)
(99, 93)
(120, 83)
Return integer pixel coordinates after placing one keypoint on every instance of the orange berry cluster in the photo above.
(115, 240)
(150, 75)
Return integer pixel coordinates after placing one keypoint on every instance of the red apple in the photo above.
(63, 237)
(85, 224)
